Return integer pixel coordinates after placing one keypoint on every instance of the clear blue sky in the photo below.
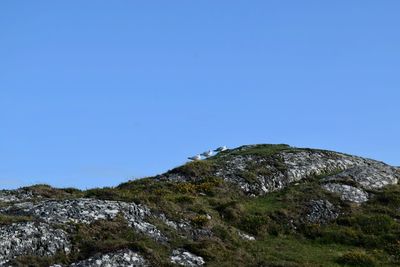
(93, 93)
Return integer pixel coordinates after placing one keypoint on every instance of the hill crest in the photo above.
(239, 207)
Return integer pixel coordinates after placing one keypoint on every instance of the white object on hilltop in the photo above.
(197, 157)
(220, 149)
(207, 154)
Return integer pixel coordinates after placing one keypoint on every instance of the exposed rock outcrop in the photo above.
(123, 258)
(15, 195)
(351, 184)
(347, 192)
(258, 174)
(374, 176)
(87, 211)
(185, 258)
(321, 211)
(30, 238)
(277, 171)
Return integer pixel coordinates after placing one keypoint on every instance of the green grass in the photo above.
(357, 258)
(267, 203)
(291, 251)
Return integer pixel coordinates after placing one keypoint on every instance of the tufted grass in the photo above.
(46, 191)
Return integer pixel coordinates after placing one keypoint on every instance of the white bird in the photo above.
(197, 157)
(220, 149)
(207, 154)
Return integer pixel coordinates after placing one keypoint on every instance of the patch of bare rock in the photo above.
(15, 195)
(321, 211)
(39, 239)
(185, 258)
(122, 258)
(87, 211)
(287, 167)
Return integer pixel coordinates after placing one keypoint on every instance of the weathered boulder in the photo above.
(347, 192)
(352, 183)
(373, 176)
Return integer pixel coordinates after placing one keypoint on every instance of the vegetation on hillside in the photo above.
(366, 235)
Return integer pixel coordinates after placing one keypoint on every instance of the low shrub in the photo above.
(196, 169)
(184, 199)
(200, 220)
(255, 224)
(102, 193)
(222, 232)
(389, 196)
(186, 188)
(375, 224)
(203, 186)
(357, 258)
(231, 211)
(342, 235)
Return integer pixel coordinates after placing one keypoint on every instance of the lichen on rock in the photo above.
(347, 192)
(15, 195)
(122, 258)
(374, 175)
(185, 258)
(39, 239)
(321, 211)
(87, 211)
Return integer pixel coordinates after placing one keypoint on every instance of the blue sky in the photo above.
(93, 93)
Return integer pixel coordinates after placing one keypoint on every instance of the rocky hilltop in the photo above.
(257, 205)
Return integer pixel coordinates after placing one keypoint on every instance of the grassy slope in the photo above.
(368, 235)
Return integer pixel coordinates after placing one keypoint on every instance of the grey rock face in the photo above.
(321, 211)
(347, 192)
(275, 172)
(30, 238)
(122, 258)
(185, 258)
(262, 184)
(299, 164)
(15, 195)
(87, 211)
(294, 166)
(365, 176)
(182, 225)
(186, 229)
(374, 176)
